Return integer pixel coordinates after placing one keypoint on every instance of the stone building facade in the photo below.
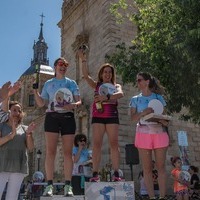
(90, 22)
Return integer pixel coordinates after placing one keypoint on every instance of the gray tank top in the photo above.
(13, 154)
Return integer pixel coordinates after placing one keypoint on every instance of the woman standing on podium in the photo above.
(150, 136)
(104, 114)
(62, 96)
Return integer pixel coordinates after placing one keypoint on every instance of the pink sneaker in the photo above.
(95, 179)
(116, 179)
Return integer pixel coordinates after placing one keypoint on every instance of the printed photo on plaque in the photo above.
(107, 88)
(62, 97)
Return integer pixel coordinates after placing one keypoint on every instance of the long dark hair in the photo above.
(195, 169)
(78, 138)
(154, 83)
(174, 160)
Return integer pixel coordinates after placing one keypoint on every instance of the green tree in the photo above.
(167, 45)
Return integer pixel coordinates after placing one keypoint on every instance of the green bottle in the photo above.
(36, 76)
(99, 105)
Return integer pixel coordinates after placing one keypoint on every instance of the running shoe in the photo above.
(48, 192)
(68, 191)
(116, 179)
(95, 179)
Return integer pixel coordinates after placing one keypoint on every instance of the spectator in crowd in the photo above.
(194, 182)
(181, 182)
(15, 141)
(82, 164)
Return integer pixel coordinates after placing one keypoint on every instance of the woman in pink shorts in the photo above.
(151, 137)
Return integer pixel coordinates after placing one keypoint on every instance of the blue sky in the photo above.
(20, 26)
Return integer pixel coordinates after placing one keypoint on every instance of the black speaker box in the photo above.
(132, 155)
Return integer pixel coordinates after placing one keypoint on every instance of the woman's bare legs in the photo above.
(67, 142)
(51, 148)
(98, 133)
(146, 157)
(160, 157)
(112, 132)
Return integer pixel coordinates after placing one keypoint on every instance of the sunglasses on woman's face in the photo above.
(139, 80)
(60, 63)
(83, 140)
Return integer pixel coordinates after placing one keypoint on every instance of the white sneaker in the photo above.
(68, 191)
(48, 192)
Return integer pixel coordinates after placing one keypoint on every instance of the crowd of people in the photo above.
(61, 95)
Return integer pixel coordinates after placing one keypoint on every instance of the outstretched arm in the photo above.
(8, 90)
(29, 137)
(39, 100)
(85, 72)
(12, 89)
(4, 90)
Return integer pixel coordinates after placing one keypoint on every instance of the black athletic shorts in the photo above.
(99, 120)
(63, 123)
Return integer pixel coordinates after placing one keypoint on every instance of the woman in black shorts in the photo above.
(104, 118)
(62, 96)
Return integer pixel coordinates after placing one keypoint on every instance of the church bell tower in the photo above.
(40, 49)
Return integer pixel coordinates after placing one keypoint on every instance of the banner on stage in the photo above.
(184, 150)
(110, 190)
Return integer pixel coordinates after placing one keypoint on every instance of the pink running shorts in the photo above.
(151, 140)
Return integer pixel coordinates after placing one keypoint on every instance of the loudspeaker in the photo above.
(132, 155)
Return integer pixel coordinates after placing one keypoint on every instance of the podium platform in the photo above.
(102, 191)
(110, 190)
(61, 197)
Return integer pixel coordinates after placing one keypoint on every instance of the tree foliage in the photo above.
(167, 45)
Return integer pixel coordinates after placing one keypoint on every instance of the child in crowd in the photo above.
(181, 182)
(82, 170)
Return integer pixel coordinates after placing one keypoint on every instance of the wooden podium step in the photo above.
(110, 190)
(102, 190)
(61, 197)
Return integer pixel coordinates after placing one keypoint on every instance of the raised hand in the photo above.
(4, 91)
(31, 128)
(81, 54)
(13, 124)
(13, 89)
